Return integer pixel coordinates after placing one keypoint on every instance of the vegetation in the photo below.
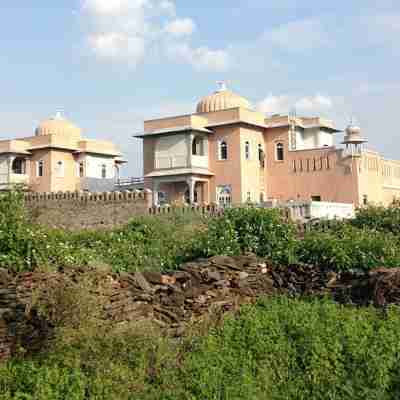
(163, 242)
(277, 349)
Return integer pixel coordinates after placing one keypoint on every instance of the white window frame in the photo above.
(60, 169)
(39, 166)
(247, 150)
(103, 169)
(78, 170)
(220, 142)
(279, 145)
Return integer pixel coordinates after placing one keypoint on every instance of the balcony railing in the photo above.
(200, 161)
(165, 162)
(180, 161)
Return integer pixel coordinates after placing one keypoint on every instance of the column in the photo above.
(191, 183)
(156, 186)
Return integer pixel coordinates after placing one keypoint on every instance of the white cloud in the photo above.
(180, 27)
(128, 30)
(202, 58)
(275, 104)
(114, 45)
(298, 36)
(284, 103)
(314, 103)
(106, 7)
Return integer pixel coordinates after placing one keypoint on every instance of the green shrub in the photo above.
(383, 219)
(21, 245)
(349, 248)
(152, 242)
(288, 349)
(277, 349)
(257, 230)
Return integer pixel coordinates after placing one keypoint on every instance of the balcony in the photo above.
(200, 161)
(168, 162)
(8, 181)
(180, 161)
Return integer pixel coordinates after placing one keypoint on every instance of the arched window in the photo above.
(40, 168)
(18, 166)
(197, 146)
(279, 152)
(223, 150)
(103, 171)
(81, 169)
(261, 155)
(247, 150)
(60, 169)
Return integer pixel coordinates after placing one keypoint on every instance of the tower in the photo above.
(353, 139)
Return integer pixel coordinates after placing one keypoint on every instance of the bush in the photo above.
(348, 248)
(21, 245)
(157, 243)
(277, 349)
(383, 219)
(256, 230)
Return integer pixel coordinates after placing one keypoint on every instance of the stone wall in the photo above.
(80, 210)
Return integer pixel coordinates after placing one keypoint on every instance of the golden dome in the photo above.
(58, 125)
(222, 99)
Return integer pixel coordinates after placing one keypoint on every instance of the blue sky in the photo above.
(110, 64)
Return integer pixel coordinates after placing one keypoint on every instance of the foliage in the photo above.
(159, 242)
(20, 243)
(278, 349)
(348, 248)
(163, 242)
(383, 219)
(257, 230)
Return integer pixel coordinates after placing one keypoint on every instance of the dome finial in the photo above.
(59, 114)
(221, 86)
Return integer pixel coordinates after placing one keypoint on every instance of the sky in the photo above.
(111, 64)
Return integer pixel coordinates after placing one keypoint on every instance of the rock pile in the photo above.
(174, 301)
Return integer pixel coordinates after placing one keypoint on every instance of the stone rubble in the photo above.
(205, 287)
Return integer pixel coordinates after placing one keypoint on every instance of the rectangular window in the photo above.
(104, 171)
(81, 171)
(247, 150)
(315, 198)
(19, 166)
(40, 168)
(365, 200)
(249, 197)
(294, 165)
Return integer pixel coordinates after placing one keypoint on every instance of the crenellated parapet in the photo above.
(86, 197)
(84, 210)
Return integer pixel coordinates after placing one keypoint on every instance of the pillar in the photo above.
(191, 183)
(156, 186)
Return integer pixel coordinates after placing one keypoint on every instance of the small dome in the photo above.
(353, 135)
(353, 130)
(58, 125)
(222, 99)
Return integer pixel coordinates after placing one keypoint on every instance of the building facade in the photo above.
(228, 153)
(57, 158)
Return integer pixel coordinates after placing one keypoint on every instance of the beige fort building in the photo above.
(228, 153)
(58, 159)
